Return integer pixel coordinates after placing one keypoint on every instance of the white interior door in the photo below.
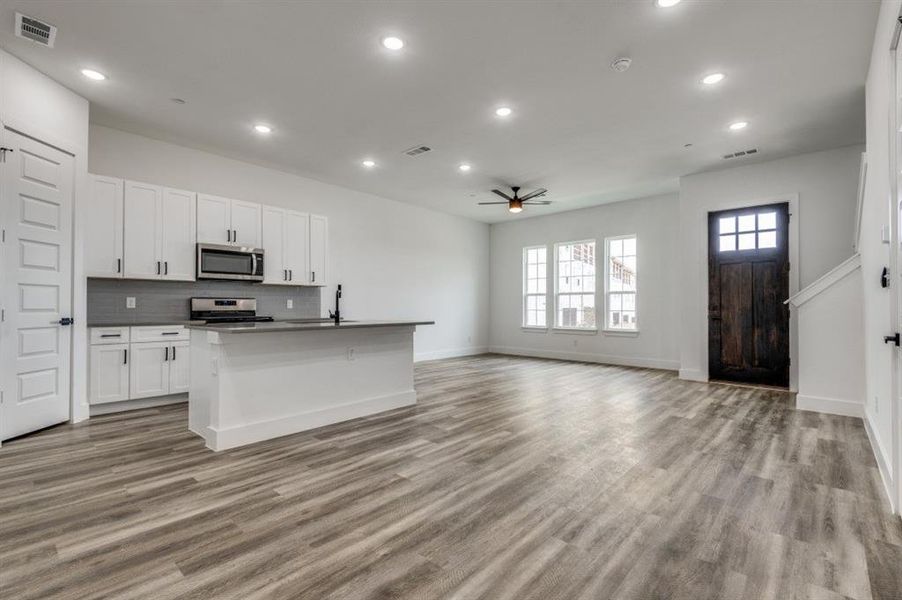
(149, 369)
(142, 230)
(109, 373)
(36, 188)
(247, 224)
(214, 220)
(103, 228)
(274, 269)
(297, 246)
(319, 240)
(179, 234)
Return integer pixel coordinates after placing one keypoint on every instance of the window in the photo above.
(754, 231)
(575, 285)
(620, 283)
(534, 284)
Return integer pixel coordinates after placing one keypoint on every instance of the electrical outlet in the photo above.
(130, 302)
(289, 304)
(352, 353)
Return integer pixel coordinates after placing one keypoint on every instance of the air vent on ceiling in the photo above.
(741, 153)
(34, 30)
(417, 150)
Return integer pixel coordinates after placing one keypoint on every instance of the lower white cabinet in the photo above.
(156, 362)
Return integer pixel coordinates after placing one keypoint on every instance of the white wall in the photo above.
(35, 105)
(655, 222)
(875, 254)
(826, 185)
(393, 260)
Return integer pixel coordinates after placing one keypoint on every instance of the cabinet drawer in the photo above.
(159, 333)
(109, 335)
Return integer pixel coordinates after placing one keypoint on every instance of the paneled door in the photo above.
(36, 187)
(748, 272)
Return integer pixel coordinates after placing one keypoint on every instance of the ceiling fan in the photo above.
(516, 203)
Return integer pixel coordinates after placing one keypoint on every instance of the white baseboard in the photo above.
(114, 407)
(882, 458)
(232, 437)
(833, 406)
(693, 375)
(623, 361)
(452, 353)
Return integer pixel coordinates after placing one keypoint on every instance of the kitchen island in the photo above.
(256, 381)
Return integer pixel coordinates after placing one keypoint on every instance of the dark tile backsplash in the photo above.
(160, 301)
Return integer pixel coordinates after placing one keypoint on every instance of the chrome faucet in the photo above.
(337, 314)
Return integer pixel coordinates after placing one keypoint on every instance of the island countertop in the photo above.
(300, 325)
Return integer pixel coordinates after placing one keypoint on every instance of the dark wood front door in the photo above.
(748, 281)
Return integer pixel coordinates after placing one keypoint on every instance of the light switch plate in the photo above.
(289, 304)
(130, 302)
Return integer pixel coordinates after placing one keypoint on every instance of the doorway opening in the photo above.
(748, 282)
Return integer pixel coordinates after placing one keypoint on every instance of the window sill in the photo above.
(622, 332)
(577, 330)
(533, 329)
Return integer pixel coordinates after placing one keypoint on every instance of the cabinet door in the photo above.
(247, 223)
(142, 230)
(297, 247)
(149, 369)
(103, 228)
(109, 373)
(319, 249)
(274, 269)
(214, 219)
(179, 234)
(179, 373)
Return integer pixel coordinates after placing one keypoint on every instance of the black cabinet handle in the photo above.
(125, 356)
(284, 274)
(290, 275)
(118, 265)
(109, 335)
(173, 353)
(158, 267)
(166, 356)
(66, 321)
(166, 267)
(228, 235)
(313, 278)
(170, 333)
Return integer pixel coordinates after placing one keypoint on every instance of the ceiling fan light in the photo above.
(515, 209)
(515, 206)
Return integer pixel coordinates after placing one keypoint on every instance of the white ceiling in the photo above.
(317, 72)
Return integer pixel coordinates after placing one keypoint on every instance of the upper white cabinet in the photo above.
(230, 222)
(319, 249)
(286, 247)
(159, 232)
(103, 228)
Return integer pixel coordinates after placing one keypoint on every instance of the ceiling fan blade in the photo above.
(502, 194)
(538, 202)
(493, 202)
(535, 194)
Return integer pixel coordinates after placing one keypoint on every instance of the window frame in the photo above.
(557, 293)
(524, 294)
(607, 292)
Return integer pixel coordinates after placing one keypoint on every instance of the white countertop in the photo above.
(300, 325)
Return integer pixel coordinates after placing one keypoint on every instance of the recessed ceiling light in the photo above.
(738, 125)
(179, 100)
(464, 167)
(369, 164)
(92, 74)
(393, 43)
(666, 3)
(261, 128)
(503, 111)
(713, 78)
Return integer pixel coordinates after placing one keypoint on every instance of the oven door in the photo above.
(229, 262)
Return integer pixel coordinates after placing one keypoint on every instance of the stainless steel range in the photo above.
(226, 310)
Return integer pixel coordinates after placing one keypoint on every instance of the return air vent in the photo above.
(417, 150)
(741, 153)
(34, 30)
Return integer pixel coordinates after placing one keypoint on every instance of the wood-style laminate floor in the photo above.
(512, 478)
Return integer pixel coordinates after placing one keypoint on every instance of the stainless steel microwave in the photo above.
(215, 261)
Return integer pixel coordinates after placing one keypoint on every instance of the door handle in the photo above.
(66, 321)
(894, 339)
(173, 353)
(125, 356)
(166, 356)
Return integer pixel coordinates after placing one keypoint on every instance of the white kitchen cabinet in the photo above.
(109, 373)
(149, 369)
(159, 232)
(179, 372)
(319, 249)
(228, 222)
(178, 233)
(285, 243)
(142, 229)
(103, 228)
